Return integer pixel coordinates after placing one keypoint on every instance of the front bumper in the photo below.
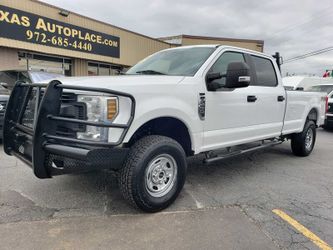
(40, 146)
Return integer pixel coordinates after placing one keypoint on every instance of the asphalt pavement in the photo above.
(226, 205)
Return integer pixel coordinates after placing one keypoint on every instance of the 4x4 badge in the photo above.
(202, 106)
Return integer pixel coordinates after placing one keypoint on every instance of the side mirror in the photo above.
(238, 75)
(213, 76)
(213, 85)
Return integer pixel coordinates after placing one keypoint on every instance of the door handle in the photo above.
(280, 98)
(251, 98)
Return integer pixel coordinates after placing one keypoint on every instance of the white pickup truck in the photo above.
(218, 100)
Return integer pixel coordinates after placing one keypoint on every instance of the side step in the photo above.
(209, 160)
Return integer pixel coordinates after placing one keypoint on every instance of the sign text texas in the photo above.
(23, 26)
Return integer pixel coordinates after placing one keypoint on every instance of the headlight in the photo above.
(99, 109)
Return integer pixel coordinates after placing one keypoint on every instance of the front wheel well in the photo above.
(165, 126)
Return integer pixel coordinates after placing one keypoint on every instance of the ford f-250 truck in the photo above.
(217, 100)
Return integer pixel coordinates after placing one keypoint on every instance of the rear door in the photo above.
(271, 96)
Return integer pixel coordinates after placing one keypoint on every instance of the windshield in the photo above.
(321, 88)
(177, 62)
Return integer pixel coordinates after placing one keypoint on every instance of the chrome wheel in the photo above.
(309, 139)
(160, 175)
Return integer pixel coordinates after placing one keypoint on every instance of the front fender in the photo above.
(185, 110)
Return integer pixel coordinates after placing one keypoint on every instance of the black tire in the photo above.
(299, 141)
(142, 158)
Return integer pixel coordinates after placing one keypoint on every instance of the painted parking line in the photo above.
(306, 232)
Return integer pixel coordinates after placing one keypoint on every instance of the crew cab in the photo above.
(215, 100)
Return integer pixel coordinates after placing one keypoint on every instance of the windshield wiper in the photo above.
(150, 72)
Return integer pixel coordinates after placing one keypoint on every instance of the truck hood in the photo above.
(125, 83)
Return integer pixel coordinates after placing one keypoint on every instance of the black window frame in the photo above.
(254, 76)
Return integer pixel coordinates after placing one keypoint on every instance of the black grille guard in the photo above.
(31, 145)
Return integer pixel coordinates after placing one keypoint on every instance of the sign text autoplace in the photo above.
(23, 26)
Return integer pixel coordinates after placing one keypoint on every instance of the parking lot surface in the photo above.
(225, 205)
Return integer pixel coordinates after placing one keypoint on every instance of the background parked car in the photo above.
(327, 88)
(8, 80)
(304, 82)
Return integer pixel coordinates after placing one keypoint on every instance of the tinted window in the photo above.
(221, 65)
(265, 72)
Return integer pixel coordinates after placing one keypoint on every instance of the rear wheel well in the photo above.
(313, 116)
(165, 126)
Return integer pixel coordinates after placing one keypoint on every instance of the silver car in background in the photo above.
(9, 78)
(328, 89)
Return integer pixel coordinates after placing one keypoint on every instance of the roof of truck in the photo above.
(220, 46)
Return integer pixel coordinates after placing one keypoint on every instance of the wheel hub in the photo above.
(309, 139)
(160, 175)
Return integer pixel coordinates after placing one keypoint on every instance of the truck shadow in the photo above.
(208, 182)
(225, 182)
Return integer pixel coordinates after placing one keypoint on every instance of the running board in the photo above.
(240, 152)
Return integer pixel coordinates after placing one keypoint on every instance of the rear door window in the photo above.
(265, 72)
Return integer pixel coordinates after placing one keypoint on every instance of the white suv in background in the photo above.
(328, 89)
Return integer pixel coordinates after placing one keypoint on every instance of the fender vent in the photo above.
(202, 106)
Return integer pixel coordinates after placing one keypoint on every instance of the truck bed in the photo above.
(299, 104)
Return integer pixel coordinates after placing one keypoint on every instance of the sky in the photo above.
(291, 27)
